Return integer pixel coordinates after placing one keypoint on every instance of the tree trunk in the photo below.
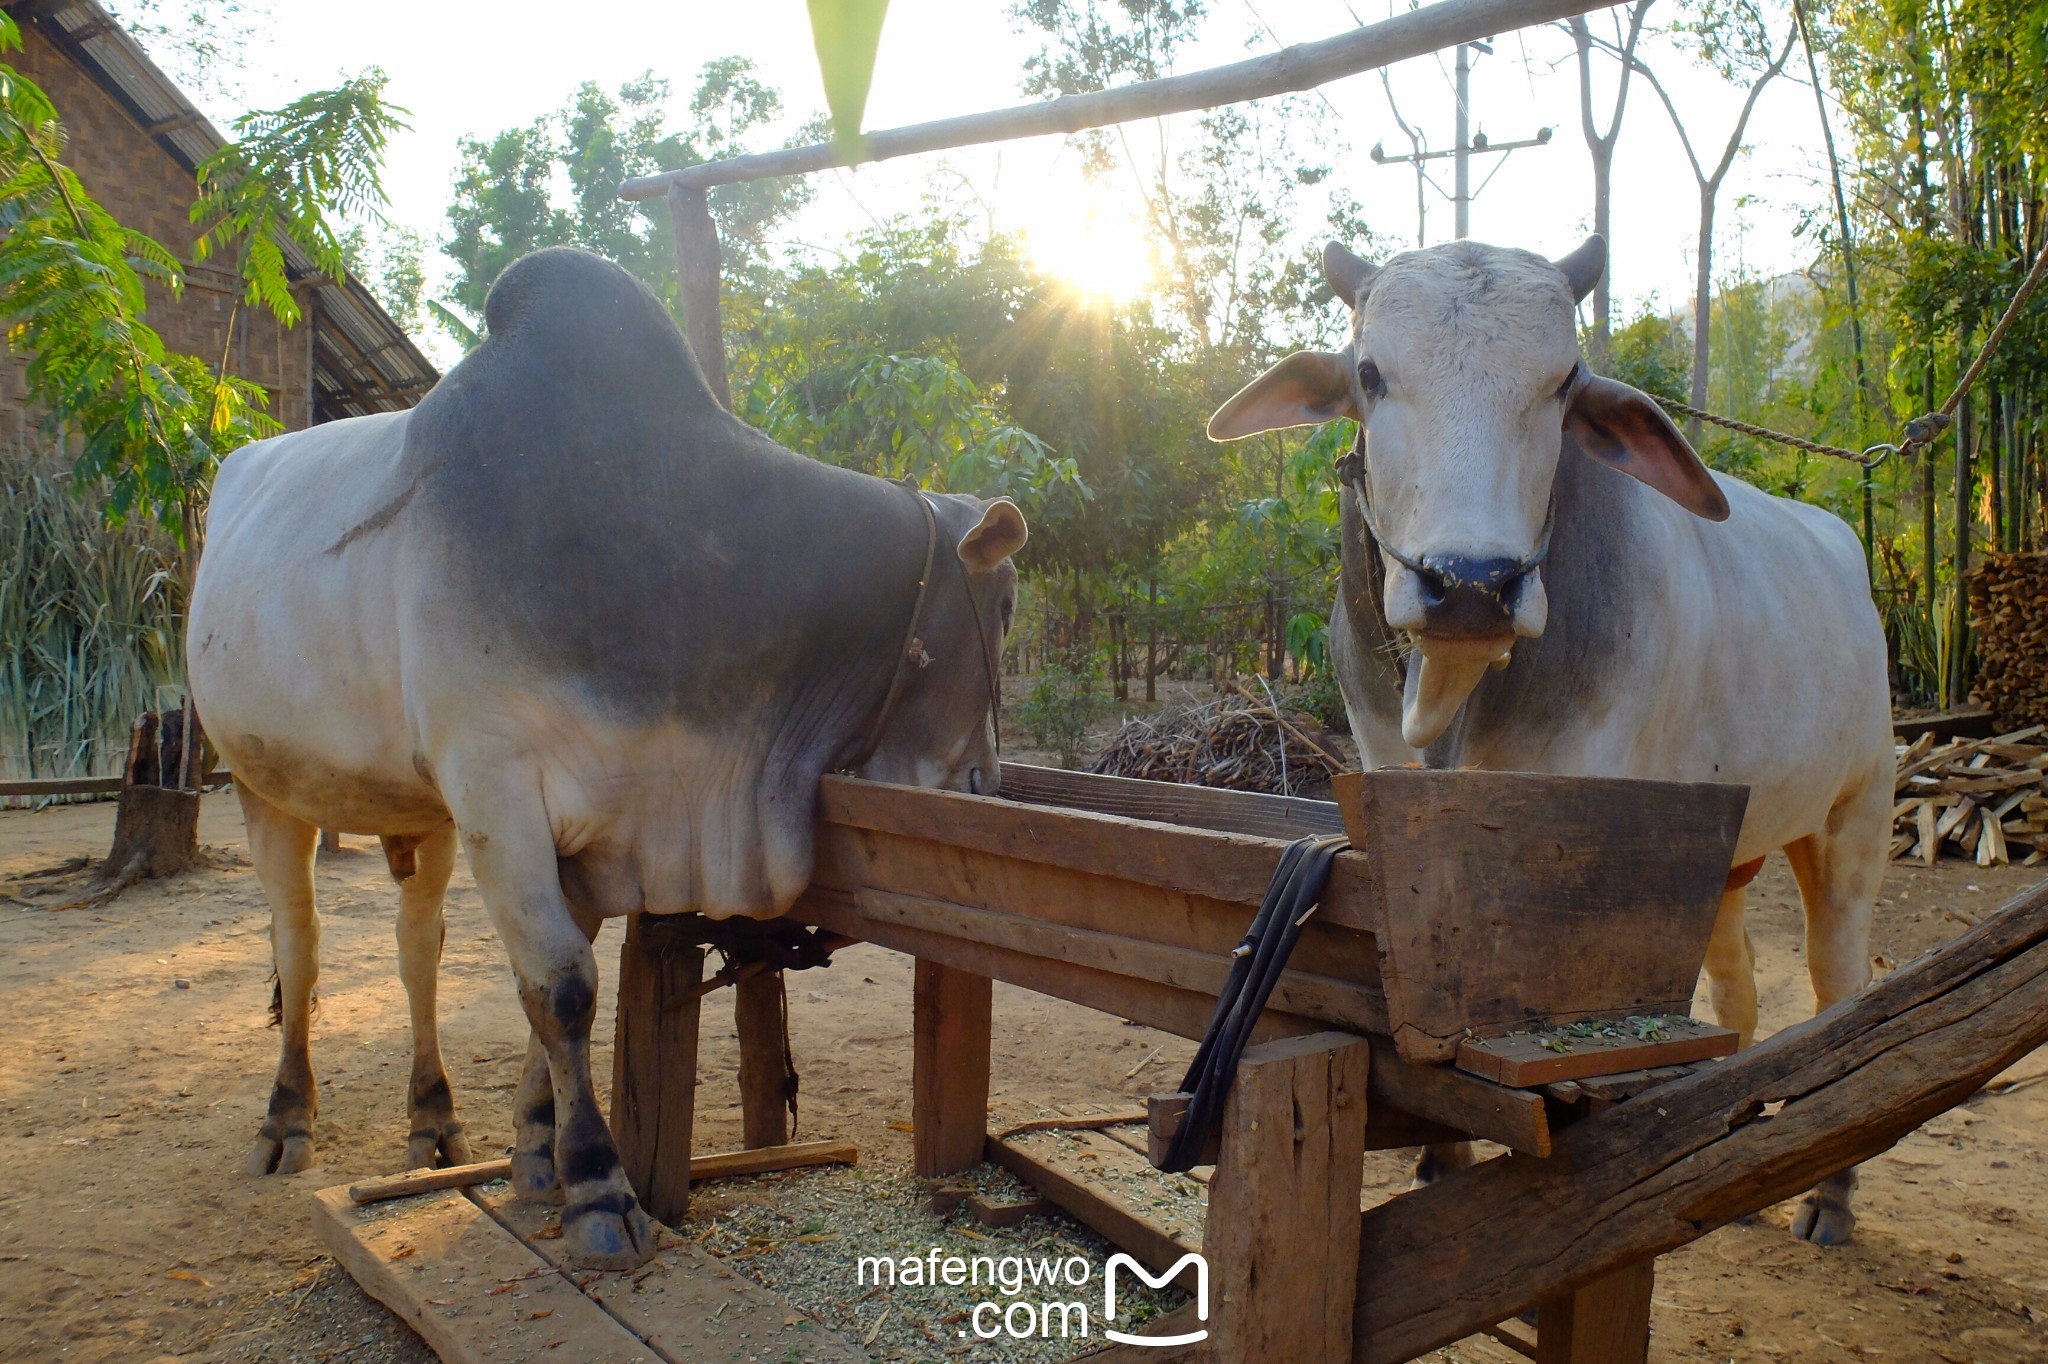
(1702, 308)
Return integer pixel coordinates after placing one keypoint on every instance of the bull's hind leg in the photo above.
(1731, 967)
(512, 851)
(422, 867)
(282, 848)
(1839, 870)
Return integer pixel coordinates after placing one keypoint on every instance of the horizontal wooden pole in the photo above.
(1148, 1243)
(85, 786)
(1301, 67)
(760, 1160)
(1669, 1166)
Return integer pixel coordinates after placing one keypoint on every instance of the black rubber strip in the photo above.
(1291, 896)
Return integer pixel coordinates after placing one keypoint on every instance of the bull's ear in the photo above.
(1307, 388)
(1624, 428)
(1000, 533)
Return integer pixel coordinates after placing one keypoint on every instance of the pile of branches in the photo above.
(1242, 741)
(1984, 799)
(2009, 608)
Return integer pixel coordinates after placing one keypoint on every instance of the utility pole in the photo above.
(1461, 152)
(1461, 183)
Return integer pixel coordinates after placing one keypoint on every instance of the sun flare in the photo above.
(1097, 247)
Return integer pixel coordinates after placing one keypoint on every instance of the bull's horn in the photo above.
(1347, 274)
(1584, 266)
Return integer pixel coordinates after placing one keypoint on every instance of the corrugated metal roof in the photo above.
(362, 359)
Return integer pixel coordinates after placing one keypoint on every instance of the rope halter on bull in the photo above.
(1920, 431)
(913, 653)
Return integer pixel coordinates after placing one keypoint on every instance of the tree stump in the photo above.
(156, 826)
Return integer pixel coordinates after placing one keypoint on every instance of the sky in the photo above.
(465, 68)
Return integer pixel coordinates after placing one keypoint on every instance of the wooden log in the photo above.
(760, 1010)
(949, 1067)
(699, 263)
(1674, 1163)
(756, 1160)
(654, 1064)
(36, 787)
(1284, 1201)
(1481, 931)
(1301, 67)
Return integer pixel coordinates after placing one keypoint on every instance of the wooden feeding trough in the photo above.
(1474, 906)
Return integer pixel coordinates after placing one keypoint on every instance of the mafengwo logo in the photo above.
(1109, 1297)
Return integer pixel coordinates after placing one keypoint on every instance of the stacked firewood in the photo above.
(1984, 799)
(1241, 740)
(2009, 610)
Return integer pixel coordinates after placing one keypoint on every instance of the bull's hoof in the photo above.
(428, 1144)
(287, 1157)
(1824, 1220)
(598, 1238)
(533, 1177)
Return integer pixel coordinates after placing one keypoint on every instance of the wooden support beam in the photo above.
(1302, 67)
(1669, 1166)
(1284, 1200)
(760, 1009)
(1606, 1322)
(949, 1067)
(1147, 1243)
(654, 1064)
(698, 265)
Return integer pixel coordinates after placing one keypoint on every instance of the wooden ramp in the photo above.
(478, 1275)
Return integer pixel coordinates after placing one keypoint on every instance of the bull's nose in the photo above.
(1468, 598)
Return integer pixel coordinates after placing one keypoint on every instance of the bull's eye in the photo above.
(1564, 390)
(1009, 609)
(1370, 380)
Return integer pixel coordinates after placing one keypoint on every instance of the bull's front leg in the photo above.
(512, 852)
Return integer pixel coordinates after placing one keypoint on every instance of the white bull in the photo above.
(573, 614)
(1539, 575)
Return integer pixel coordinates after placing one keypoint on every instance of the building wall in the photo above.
(145, 188)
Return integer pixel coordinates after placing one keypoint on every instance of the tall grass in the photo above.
(91, 624)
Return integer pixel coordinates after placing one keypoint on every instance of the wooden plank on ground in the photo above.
(406, 1254)
(684, 1302)
(1128, 1230)
(1539, 1058)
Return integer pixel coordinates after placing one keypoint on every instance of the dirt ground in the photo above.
(137, 1062)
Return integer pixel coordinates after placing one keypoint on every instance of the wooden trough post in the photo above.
(949, 1067)
(654, 1062)
(1282, 1238)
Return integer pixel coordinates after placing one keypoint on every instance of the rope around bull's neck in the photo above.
(912, 650)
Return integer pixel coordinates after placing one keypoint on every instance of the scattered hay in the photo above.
(1241, 741)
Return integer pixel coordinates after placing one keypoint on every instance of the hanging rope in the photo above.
(1921, 431)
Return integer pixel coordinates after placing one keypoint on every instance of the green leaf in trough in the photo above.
(847, 34)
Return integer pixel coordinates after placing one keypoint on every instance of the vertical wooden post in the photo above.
(1606, 1322)
(698, 265)
(759, 1006)
(1282, 1237)
(654, 1063)
(949, 1068)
